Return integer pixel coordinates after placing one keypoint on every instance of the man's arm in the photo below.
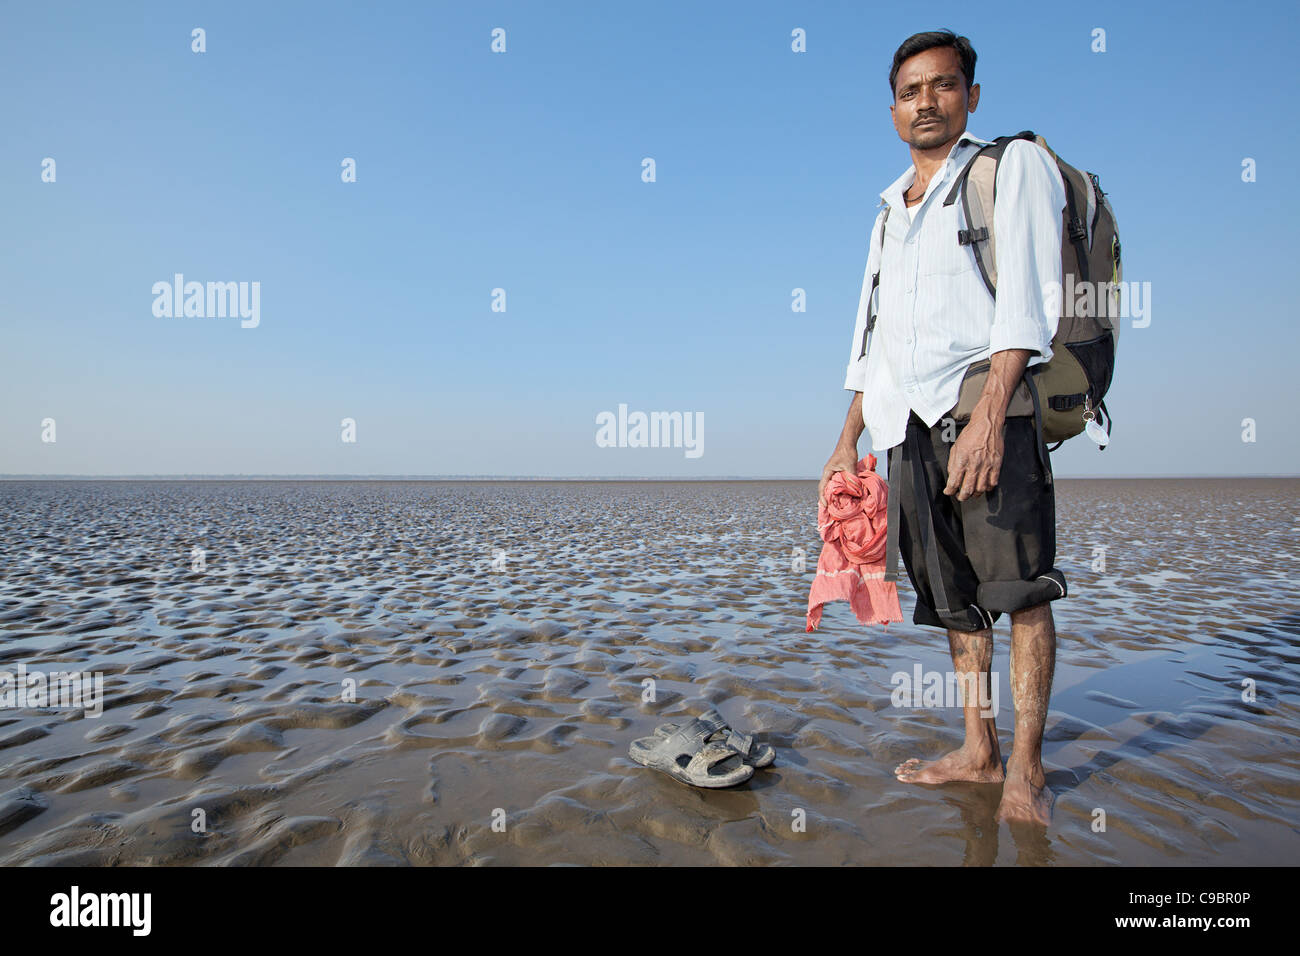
(1027, 221)
(845, 455)
(975, 463)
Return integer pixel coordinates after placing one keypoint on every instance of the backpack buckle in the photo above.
(1077, 232)
(1063, 403)
(966, 237)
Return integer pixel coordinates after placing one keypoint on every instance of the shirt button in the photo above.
(908, 342)
(912, 241)
(911, 388)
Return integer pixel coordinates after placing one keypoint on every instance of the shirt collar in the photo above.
(893, 193)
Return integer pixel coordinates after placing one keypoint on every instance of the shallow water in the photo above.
(498, 635)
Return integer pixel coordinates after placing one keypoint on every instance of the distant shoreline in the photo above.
(588, 478)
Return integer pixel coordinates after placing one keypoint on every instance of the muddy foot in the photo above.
(958, 765)
(1025, 801)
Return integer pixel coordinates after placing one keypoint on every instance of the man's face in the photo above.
(930, 101)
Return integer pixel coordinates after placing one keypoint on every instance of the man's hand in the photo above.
(842, 459)
(845, 456)
(975, 462)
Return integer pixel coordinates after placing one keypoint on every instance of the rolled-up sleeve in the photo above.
(855, 378)
(1027, 223)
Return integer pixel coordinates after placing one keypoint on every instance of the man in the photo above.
(975, 511)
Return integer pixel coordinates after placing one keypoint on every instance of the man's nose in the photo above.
(925, 99)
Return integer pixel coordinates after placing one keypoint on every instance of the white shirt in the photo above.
(935, 316)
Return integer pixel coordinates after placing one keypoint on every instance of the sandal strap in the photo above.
(689, 738)
(741, 742)
(714, 720)
(708, 756)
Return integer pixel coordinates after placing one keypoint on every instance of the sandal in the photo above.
(756, 755)
(687, 755)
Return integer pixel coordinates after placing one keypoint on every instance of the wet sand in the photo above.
(511, 691)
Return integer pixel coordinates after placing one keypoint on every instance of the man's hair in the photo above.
(920, 42)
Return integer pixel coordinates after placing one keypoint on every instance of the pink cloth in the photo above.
(852, 564)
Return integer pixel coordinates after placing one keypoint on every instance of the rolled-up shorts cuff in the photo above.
(1008, 596)
(971, 618)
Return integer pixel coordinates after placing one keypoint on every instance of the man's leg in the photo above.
(1025, 796)
(978, 759)
(925, 513)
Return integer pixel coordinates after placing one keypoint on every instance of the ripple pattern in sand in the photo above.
(374, 672)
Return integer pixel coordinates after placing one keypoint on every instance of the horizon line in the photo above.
(385, 477)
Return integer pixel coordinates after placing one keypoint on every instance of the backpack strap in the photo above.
(997, 147)
(1076, 231)
(979, 232)
(1030, 374)
(875, 283)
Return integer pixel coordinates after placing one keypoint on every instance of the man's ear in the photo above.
(974, 98)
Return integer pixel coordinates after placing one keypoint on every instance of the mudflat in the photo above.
(379, 673)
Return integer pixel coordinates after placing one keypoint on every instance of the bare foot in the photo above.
(1026, 800)
(982, 767)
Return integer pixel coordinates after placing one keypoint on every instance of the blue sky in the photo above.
(522, 171)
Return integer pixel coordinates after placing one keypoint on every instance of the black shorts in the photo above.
(971, 560)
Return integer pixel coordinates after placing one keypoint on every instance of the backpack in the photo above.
(1072, 385)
